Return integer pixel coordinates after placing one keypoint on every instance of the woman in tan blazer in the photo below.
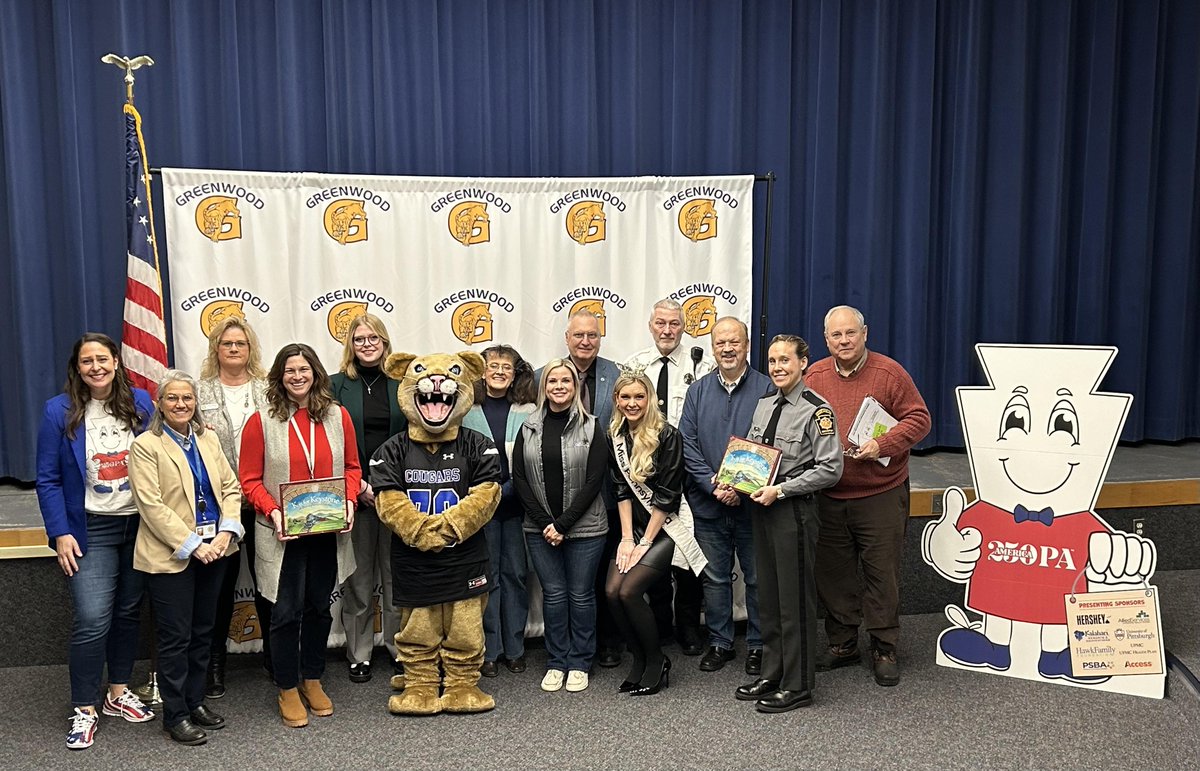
(190, 502)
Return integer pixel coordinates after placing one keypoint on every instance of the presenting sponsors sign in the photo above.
(1115, 633)
(452, 263)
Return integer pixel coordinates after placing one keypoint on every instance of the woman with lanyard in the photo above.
(301, 435)
(559, 462)
(647, 472)
(190, 503)
(83, 492)
(369, 396)
(233, 387)
(800, 424)
(503, 400)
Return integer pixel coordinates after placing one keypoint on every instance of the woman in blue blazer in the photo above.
(87, 506)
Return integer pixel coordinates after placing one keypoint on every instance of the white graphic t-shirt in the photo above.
(107, 460)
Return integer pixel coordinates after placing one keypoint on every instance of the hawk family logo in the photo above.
(218, 311)
(219, 218)
(698, 219)
(699, 315)
(346, 221)
(472, 322)
(469, 223)
(586, 223)
(341, 316)
(593, 306)
(244, 625)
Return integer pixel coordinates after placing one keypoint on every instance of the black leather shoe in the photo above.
(756, 690)
(754, 662)
(214, 680)
(206, 718)
(360, 672)
(626, 686)
(784, 701)
(609, 658)
(664, 680)
(836, 656)
(489, 669)
(185, 732)
(690, 641)
(887, 672)
(715, 658)
(516, 666)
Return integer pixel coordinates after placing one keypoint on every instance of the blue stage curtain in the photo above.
(1001, 170)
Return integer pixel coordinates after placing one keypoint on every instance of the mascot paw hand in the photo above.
(1120, 558)
(951, 551)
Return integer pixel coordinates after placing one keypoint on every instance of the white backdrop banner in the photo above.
(452, 263)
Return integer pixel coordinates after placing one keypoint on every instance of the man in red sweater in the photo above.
(864, 515)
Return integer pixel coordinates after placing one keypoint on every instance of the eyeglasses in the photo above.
(369, 340)
(177, 398)
(496, 366)
(231, 345)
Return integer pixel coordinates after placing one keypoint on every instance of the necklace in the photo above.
(373, 382)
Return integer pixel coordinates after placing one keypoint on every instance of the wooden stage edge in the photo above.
(31, 542)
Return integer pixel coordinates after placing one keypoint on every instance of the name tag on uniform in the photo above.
(207, 530)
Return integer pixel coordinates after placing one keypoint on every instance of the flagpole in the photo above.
(149, 692)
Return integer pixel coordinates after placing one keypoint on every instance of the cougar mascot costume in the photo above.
(436, 487)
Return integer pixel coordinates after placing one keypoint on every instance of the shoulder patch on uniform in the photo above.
(824, 420)
(813, 399)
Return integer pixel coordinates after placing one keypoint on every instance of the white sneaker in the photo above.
(577, 681)
(83, 728)
(553, 680)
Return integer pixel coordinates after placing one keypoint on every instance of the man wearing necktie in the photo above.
(672, 367)
(800, 424)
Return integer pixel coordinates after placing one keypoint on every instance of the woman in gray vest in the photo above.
(559, 462)
(302, 435)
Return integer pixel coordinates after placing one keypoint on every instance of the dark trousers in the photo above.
(785, 537)
(225, 600)
(870, 530)
(300, 620)
(185, 604)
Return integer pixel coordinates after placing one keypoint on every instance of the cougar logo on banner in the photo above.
(341, 316)
(469, 223)
(244, 626)
(698, 219)
(585, 222)
(471, 322)
(218, 311)
(218, 218)
(593, 306)
(346, 221)
(699, 315)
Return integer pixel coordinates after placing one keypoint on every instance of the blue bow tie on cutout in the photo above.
(1022, 514)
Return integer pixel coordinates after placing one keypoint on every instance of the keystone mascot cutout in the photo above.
(436, 486)
(1040, 438)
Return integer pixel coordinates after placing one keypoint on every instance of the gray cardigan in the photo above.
(583, 447)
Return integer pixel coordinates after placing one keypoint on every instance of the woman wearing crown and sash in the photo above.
(647, 471)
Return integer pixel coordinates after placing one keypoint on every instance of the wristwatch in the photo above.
(779, 492)
(645, 542)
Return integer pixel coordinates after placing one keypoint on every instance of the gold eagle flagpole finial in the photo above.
(129, 65)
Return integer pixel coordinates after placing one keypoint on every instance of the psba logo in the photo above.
(469, 223)
(346, 221)
(218, 218)
(593, 306)
(698, 219)
(218, 311)
(341, 316)
(471, 322)
(585, 222)
(699, 315)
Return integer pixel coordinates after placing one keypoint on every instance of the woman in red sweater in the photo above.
(302, 434)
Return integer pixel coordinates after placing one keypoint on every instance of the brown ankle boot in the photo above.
(291, 709)
(314, 696)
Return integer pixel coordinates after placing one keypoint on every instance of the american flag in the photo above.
(144, 339)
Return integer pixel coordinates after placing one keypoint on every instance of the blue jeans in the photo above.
(718, 539)
(107, 593)
(568, 576)
(508, 604)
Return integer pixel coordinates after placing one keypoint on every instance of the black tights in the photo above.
(626, 594)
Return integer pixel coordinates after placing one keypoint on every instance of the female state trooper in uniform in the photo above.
(799, 423)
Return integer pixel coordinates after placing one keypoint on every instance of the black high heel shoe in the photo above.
(664, 680)
(626, 686)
